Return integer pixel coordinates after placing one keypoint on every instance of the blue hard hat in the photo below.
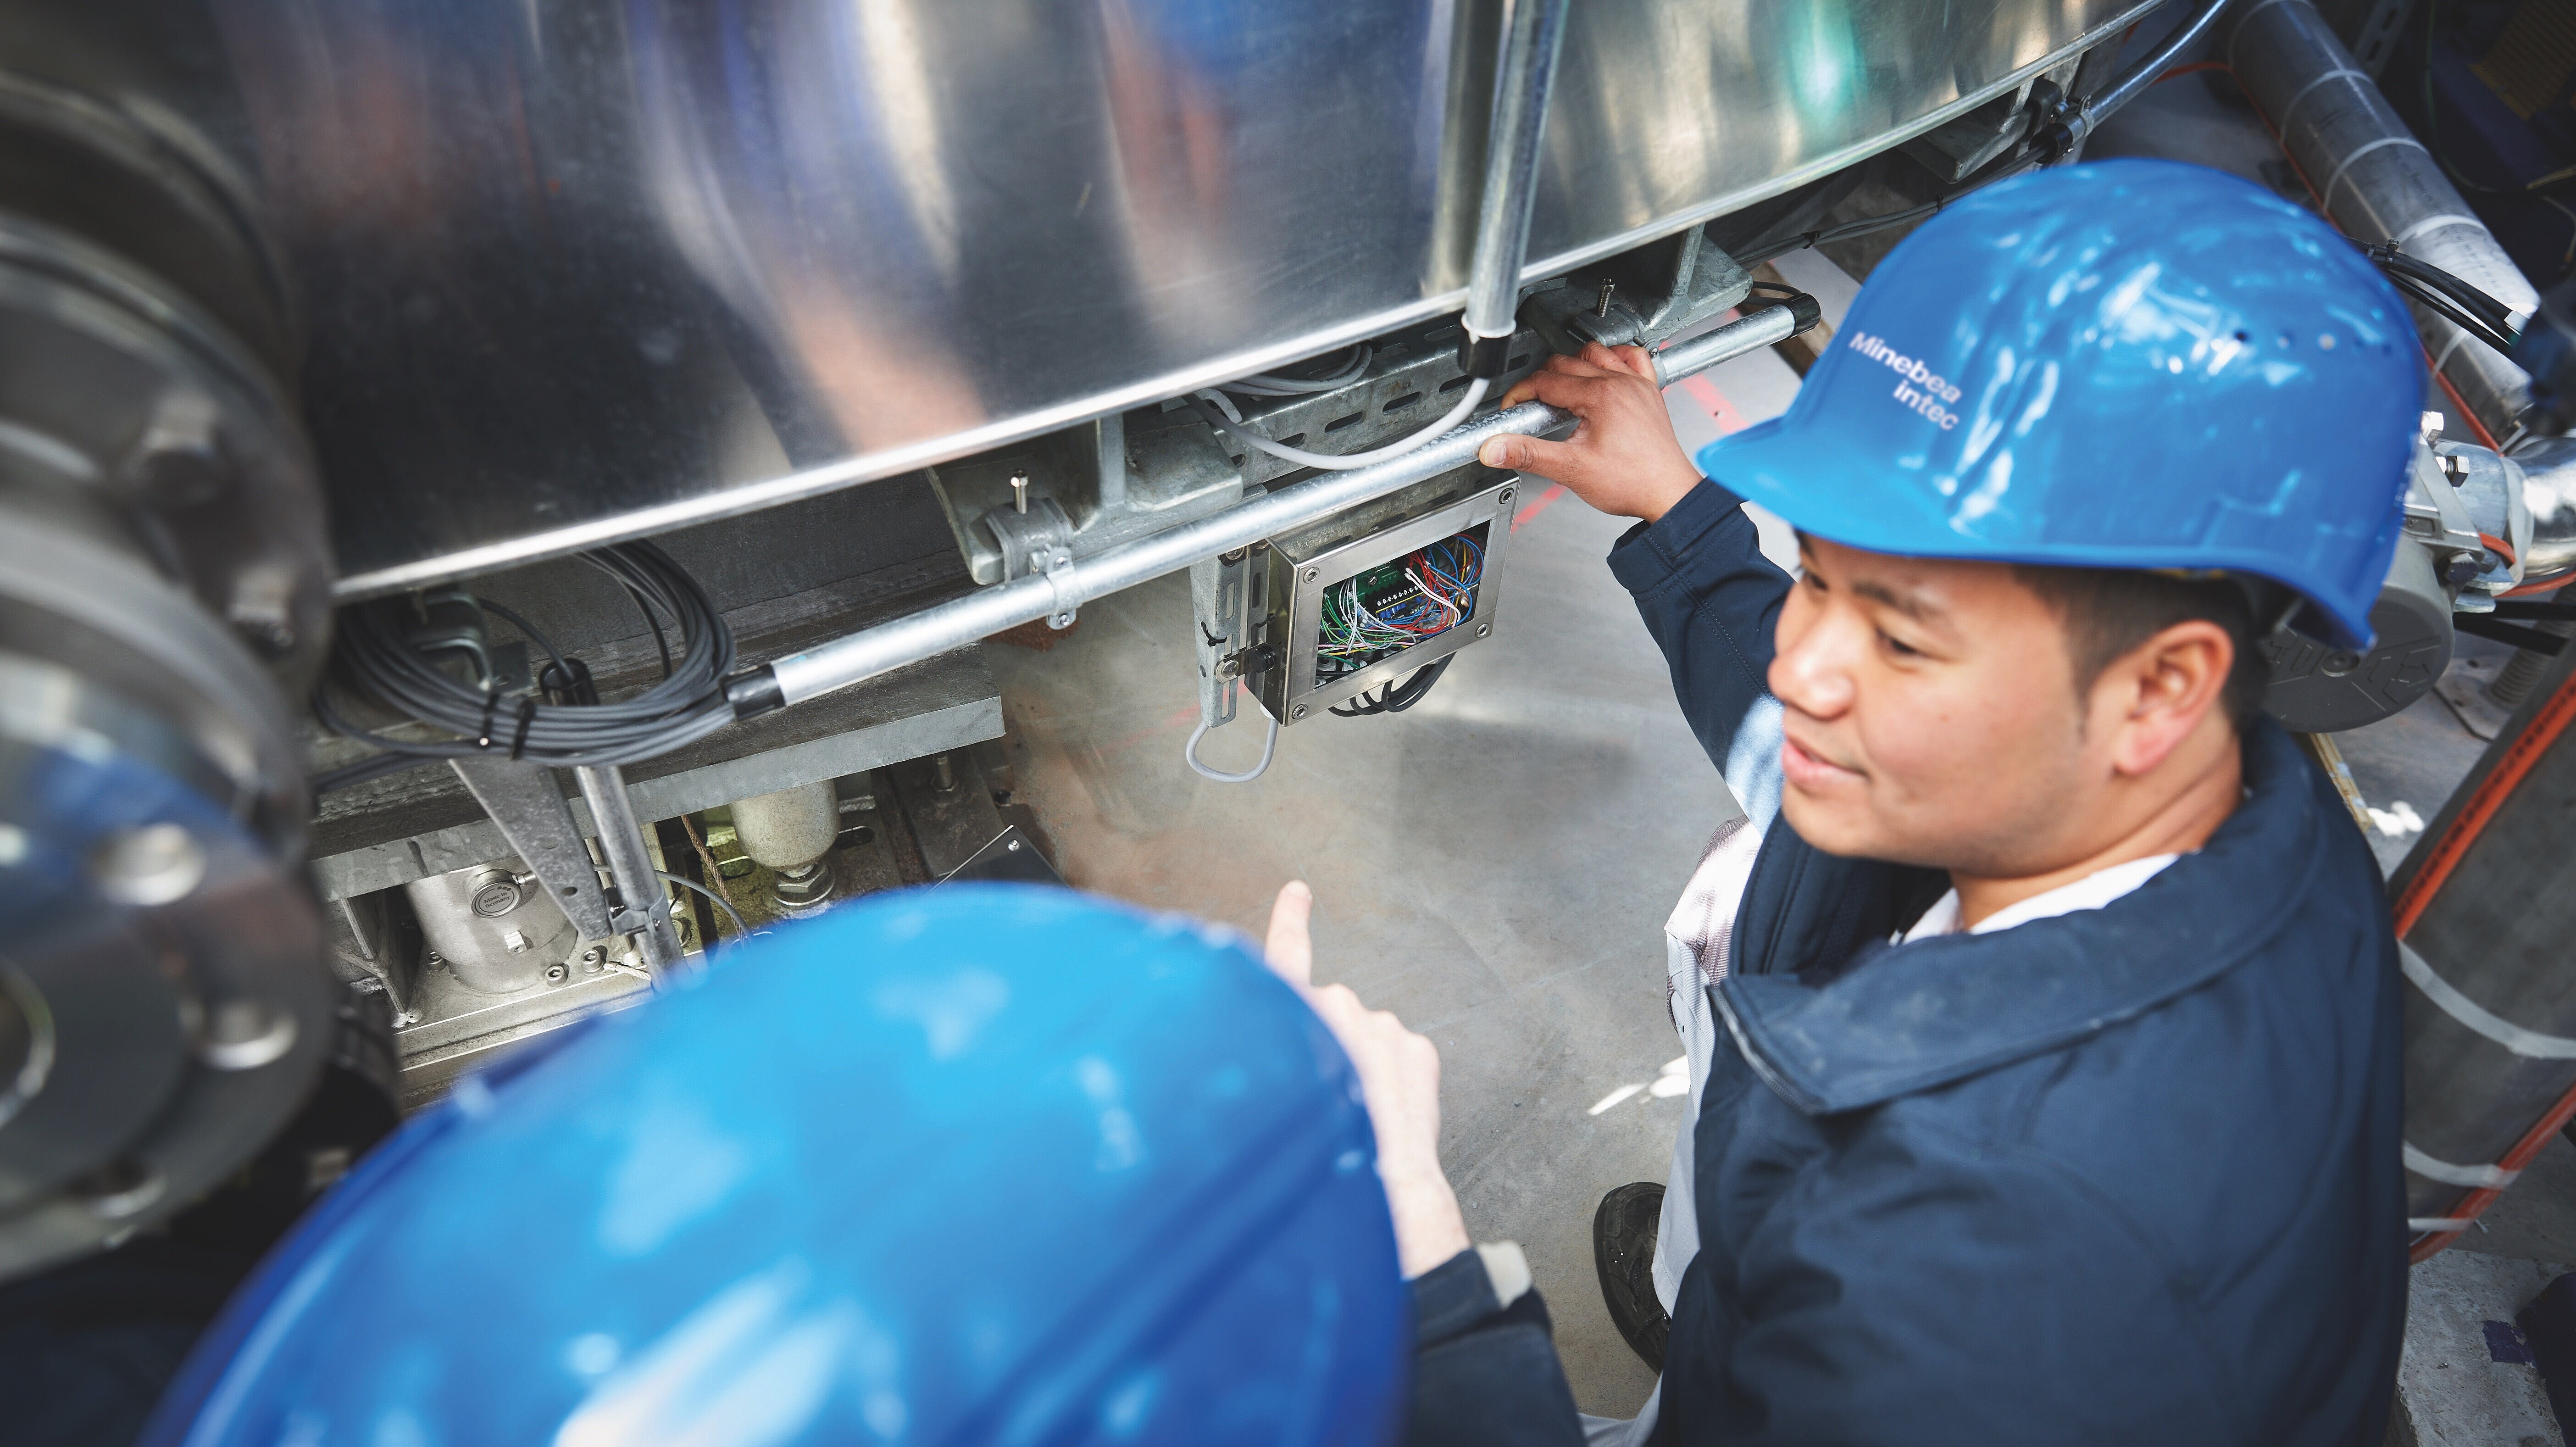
(2130, 364)
(991, 1163)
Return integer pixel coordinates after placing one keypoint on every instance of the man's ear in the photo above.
(2159, 692)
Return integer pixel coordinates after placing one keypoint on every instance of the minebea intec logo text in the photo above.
(1918, 386)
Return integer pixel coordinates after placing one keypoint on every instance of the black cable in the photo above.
(1395, 697)
(1400, 699)
(721, 902)
(2477, 302)
(375, 656)
(661, 645)
(526, 628)
(1781, 244)
(2437, 302)
(2454, 299)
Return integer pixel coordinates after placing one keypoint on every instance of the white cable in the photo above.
(1190, 754)
(1267, 384)
(1424, 589)
(1216, 417)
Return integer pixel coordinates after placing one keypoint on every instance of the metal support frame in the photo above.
(857, 657)
(522, 799)
(646, 905)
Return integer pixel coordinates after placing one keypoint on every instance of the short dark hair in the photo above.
(2109, 611)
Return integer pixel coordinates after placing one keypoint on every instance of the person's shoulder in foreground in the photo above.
(2124, 1174)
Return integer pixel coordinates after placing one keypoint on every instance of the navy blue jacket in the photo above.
(2128, 1175)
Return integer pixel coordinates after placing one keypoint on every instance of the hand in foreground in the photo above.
(1623, 459)
(1400, 1074)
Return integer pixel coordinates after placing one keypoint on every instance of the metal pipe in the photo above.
(857, 657)
(645, 906)
(2379, 183)
(1761, 329)
(1511, 183)
(2083, 115)
(2549, 487)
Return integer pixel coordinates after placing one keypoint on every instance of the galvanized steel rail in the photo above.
(857, 657)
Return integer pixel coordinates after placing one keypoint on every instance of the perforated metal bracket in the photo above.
(1217, 603)
(525, 801)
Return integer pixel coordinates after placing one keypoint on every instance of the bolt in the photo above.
(434, 960)
(593, 959)
(181, 459)
(1298, 712)
(2336, 665)
(1233, 557)
(244, 1035)
(1607, 286)
(1015, 846)
(269, 638)
(1484, 628)
(153, 864)
(943, 774)
(121, 1188)
(557, 974)
(1019, 492)
(1504, 496)
(1312, 574)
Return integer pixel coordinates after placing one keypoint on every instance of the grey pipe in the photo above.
(2379, 183)
(1528, 74)
(857, 657)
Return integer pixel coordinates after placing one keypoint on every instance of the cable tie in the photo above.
(527, 713)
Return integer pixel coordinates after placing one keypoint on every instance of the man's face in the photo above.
(1931, 714)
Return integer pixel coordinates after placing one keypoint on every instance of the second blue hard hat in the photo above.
(2130, 364)
(989, 1163)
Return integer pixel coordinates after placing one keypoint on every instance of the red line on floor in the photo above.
(1714, 403)
(1546, 500)
(1171, 724)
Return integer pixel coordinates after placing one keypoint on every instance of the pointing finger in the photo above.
(1291, 945)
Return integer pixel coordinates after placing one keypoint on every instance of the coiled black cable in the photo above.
(562, 724)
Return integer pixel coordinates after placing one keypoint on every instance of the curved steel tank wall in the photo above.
(591, 270)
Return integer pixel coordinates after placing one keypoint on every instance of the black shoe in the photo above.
(1623, 1251)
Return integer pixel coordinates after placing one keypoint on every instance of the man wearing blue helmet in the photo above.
(2042, 1014)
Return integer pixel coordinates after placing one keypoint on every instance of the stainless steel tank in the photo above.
(587, 271)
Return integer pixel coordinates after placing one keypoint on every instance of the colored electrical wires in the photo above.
(1396, 605)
